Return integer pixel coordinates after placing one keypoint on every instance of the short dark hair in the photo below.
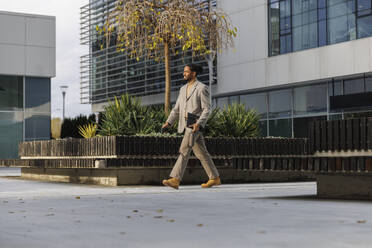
(195, 68)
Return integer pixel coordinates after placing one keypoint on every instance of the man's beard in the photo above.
(188, 79)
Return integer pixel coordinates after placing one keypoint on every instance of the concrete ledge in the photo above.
(154, 176)
(344, 185)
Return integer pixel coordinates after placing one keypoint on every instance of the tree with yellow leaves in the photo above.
(154, 28)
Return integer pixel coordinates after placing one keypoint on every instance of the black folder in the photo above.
(191, 119)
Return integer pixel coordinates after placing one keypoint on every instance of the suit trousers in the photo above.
(194, 141)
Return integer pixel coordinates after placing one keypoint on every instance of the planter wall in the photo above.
(340, 135)
(158, 146)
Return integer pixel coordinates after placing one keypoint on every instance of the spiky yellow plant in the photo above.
(88, 130)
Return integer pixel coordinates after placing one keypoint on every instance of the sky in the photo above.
(68, 49)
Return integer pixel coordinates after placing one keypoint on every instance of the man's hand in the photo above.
(195, 127)
(165, 125)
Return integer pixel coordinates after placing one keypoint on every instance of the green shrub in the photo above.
(70, 126)
(233, 121)
(126, 116)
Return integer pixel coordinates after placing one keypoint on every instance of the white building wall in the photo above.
(248, 66)
(29, 48)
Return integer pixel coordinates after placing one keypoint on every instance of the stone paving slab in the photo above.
(39, 214)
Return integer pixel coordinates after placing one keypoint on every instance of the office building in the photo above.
(294, 61)
(27, 64)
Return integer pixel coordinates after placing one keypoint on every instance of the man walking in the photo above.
(192, 110)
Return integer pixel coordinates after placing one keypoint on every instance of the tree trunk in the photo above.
(167, 79)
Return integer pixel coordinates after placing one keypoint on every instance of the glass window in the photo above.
(322, 32)
(280, 104)
(274, 29)
(37, 126)
(285, 44)
(214, 103)
(368, 84)
(255, 101)
(310, 99)
(365, 26)
(337, 88)
(263, 128)
(222, 102)
(11, 93)
(280, 128)
(353, 86)
(37, 92)
(322, 14)
(233, 99)
(364, 5)
(341, 22)
(285, 8)
(11, 133)
(305, 33)
(322, 4)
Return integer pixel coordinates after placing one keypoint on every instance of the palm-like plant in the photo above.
(88, 131)
(235, 121)
(126, 116)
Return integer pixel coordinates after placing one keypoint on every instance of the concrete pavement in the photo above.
(39, 214)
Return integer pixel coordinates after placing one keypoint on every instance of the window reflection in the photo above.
(255, 101)
(280, 104)
(353, 86)
(303, 24)
(222, 102)
(280, 128)
(37, 126)
(11, 132)
(310, 99)
(11, 93)
(37, 92)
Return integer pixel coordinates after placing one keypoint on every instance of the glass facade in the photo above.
(287, 112)
(24, 112)
(106, 73)
(37, 108)
(296, 25)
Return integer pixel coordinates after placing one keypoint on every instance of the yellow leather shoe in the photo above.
(212, 182)
(172, 182)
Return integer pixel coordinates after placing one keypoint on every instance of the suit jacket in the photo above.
(198, 103)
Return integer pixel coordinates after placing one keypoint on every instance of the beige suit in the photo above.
(197, 102)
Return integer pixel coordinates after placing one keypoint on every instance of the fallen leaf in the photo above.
(361, 221)
(128, 217)
(135, 211)
(160, 210)
(199, 225)
(171, 220)
(11, 212)
(261, 232)
(77, 197)
(158, 217)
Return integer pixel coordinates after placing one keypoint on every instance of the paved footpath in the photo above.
(39, 214)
